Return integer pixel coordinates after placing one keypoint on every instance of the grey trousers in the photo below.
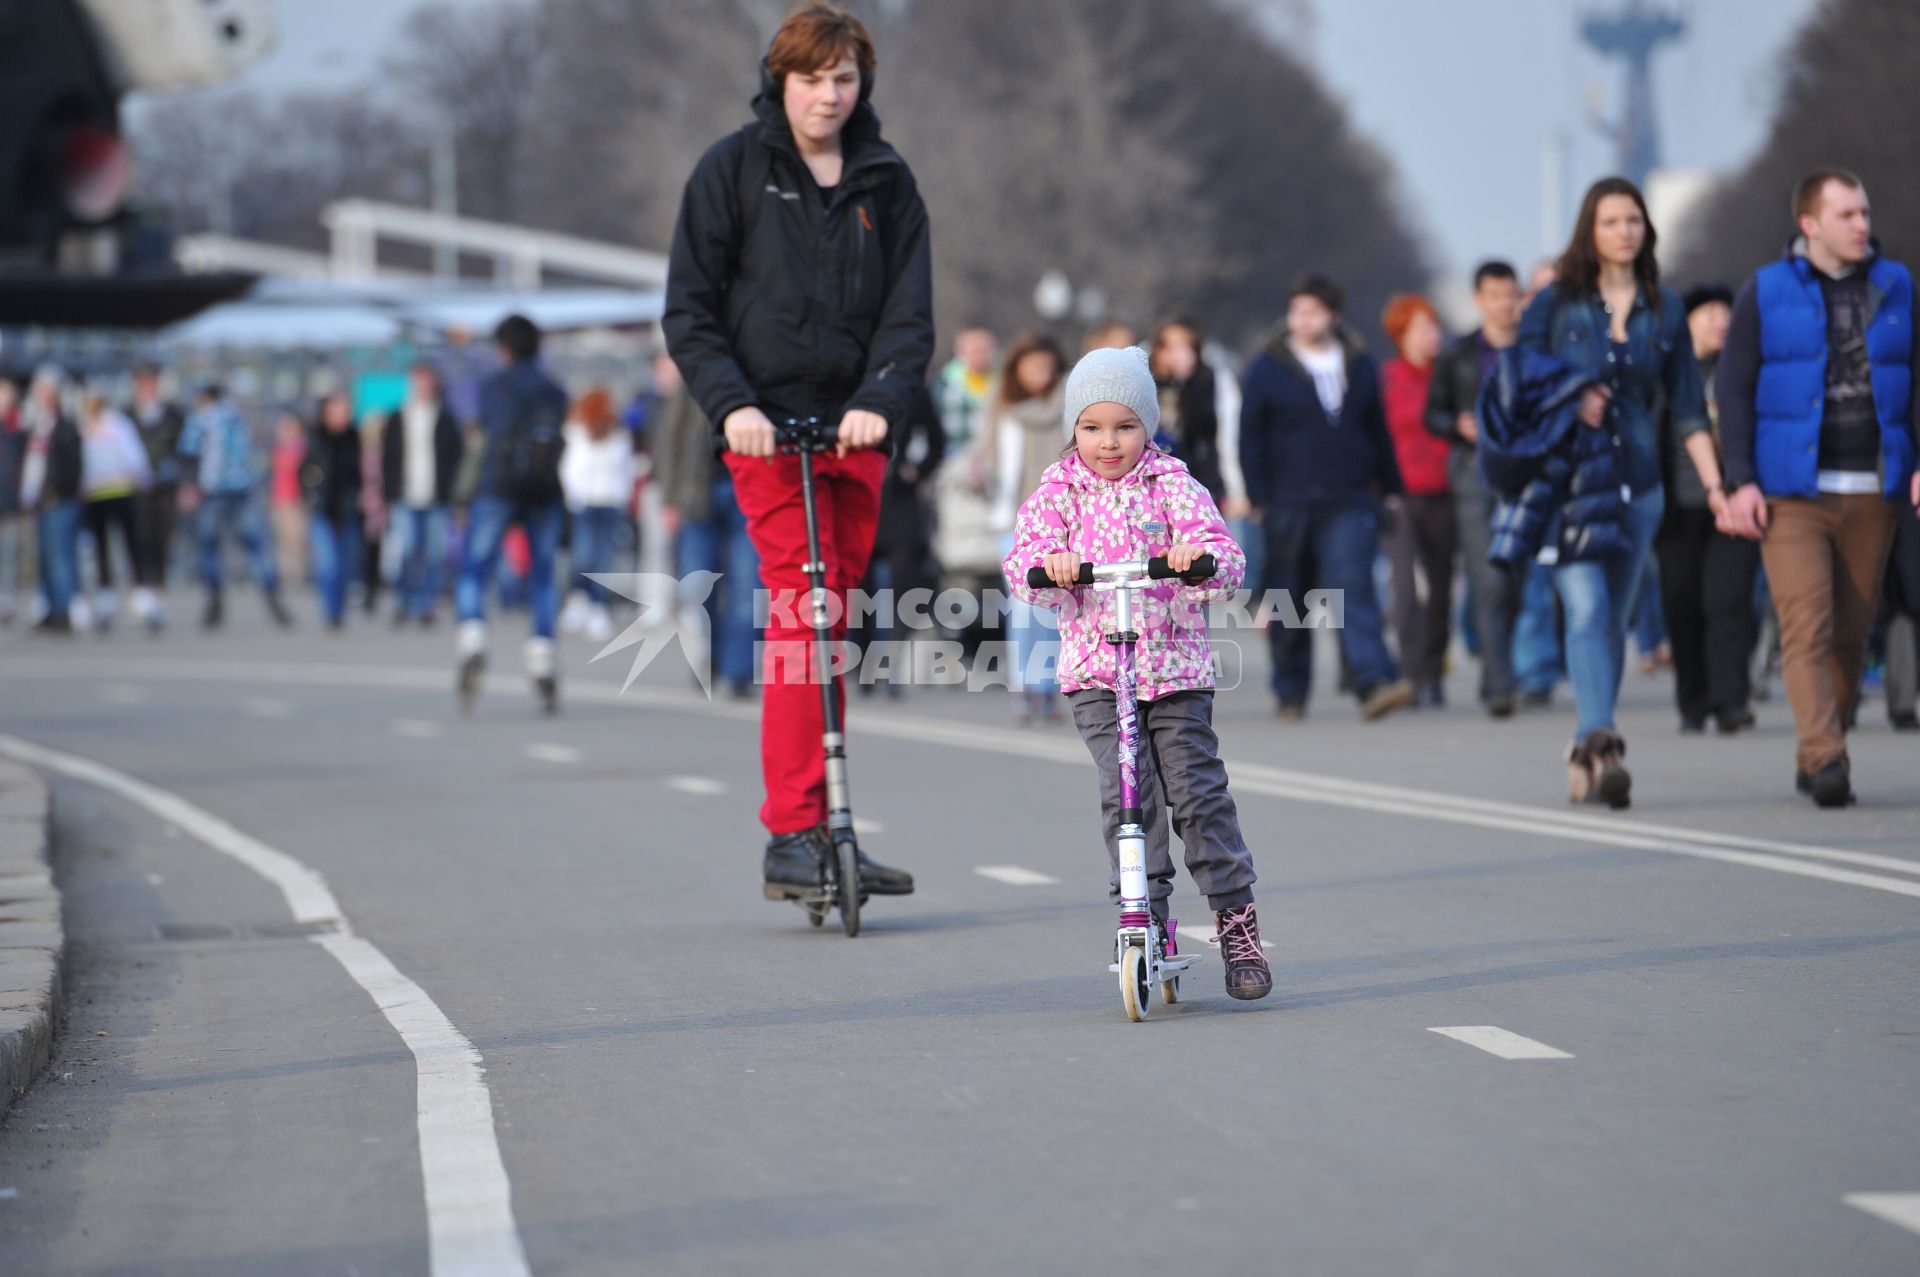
(1181, 776)
(1492, 592)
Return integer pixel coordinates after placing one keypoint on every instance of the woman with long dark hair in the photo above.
(1024, 434)
(1607, 318)
(1189, 412)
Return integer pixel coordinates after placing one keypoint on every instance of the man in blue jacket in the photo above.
(522, 412)
(1319, 464)
(1818, 432)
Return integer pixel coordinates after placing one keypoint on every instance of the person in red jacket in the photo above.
(1423, 539)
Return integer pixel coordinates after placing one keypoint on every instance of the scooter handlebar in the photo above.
(1157, 570)
(797, 434)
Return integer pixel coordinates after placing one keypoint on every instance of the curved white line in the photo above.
(470, 1225)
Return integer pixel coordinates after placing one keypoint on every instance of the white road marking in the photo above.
(1508, 1046)
(861, 825)
(546, 752)
(1205, 929)
(1609, 831)
(705, 786)
(470, 1225)
(1015, 876)
(1899, 1209)
(124, 694)
(263, 707)
(416, 728)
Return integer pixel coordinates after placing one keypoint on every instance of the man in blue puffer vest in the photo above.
(1818, 433)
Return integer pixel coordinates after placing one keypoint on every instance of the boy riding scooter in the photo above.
(800, 287)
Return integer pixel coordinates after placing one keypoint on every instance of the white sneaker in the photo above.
(471, 638)
(540, 663)
(599, 625)
(573, 617)
(80, 612)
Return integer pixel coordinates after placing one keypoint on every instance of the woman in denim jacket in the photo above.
(1607, 315)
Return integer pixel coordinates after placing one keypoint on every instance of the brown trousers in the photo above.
(1825, 558)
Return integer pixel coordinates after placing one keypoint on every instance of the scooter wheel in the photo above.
(1170, 990)
(847, 863)
(817, 914)
(1135, 993)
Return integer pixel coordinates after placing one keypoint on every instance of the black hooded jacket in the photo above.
(801, 301)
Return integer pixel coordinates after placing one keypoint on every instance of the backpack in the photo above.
(534, 442)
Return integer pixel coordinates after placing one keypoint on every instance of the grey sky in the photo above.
(1461, 94)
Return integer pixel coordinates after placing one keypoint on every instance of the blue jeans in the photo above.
(1599, 596)
(718, 543)
(1649, 617)
(423, 553)
(1329, 547)
(235, 513)
(59, 533)
(336, 562)
(1539, 659)
(1027, 633)
(597, 534)
(487, 523)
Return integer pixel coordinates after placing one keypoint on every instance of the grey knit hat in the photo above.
(1114, 375)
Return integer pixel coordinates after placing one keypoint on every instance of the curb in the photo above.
(32, 941)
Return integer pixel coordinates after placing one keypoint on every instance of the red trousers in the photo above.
(847, 503)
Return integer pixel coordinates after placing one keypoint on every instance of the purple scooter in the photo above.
(1145, 953)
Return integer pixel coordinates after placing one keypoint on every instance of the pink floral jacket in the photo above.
(1144, 513)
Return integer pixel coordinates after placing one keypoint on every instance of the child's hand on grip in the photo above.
(1181, 556)
(1063, 568)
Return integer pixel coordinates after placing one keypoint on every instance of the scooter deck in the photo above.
(1167, 966)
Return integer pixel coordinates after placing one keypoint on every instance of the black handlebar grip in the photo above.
(1203, 567)
(1039, 580)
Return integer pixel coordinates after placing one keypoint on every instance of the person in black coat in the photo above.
(420, 453)
(800, 286)
(1189, 407)
(331, 477)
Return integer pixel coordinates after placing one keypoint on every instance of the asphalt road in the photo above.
(681, 1077)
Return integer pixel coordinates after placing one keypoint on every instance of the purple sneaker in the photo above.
(1248, 975)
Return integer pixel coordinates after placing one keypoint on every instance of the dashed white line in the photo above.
(1496, 1041)
(416, 728)
(124, 694)
(1734, 849)
(265, 707)
(861, 825)
(705, 786)
(546, 752)
(470, 1225)
(1015, 876)
(1899, 1209)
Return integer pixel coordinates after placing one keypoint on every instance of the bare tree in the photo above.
(1847, 101)
(474, 70)
(1167, 156)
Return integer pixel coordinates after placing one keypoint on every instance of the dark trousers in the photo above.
(1706, 592)
(1424, 536)
(1330, 547)
(1493, 589)
(1182, 780)
(157, 514)
(103, 517)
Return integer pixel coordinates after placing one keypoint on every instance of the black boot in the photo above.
(792, 865)
(879, 880)
(215, 613)
(278, 610)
